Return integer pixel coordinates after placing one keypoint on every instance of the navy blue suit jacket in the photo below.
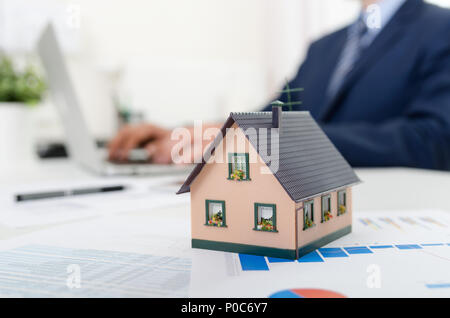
(394, 106)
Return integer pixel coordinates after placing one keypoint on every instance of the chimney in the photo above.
(276, 113)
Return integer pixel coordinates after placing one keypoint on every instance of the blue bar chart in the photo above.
(254, 262)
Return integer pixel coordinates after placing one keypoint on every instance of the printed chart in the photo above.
(388, 254)
(306, 293)
(260, 263)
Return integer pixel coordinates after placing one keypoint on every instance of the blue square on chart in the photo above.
(253, 262)
(312, 257)
(358, 250)
(332, 252)
(408, 246)
(380, 246)
(445, 285)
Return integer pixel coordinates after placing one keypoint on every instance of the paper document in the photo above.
(145, 253)
(45, 271)
(388, 254)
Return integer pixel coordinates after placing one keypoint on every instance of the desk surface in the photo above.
(382, 188)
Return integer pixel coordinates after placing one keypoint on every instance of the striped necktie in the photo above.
(349, 56)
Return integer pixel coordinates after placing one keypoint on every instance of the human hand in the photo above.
(158, 143)
(156, 140)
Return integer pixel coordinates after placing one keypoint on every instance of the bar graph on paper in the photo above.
(410, 250)
(403, 223)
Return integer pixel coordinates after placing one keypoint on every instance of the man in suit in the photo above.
(379, 88)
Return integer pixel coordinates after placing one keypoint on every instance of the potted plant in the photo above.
(342, 209)
(20, 90)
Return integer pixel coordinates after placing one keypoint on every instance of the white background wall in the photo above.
(178, 60)
(205, 57)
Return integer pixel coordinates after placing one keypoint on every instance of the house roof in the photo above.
(309, 164)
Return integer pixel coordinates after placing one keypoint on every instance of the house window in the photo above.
(326, 208)
(215, 213)
(265, 217)
(238, 166)
(342, 202)
(308, 215)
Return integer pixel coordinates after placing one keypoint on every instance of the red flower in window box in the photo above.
(238, 175)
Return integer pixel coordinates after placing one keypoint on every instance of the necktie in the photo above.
(348, 58)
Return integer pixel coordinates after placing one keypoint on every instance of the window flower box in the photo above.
(216, 220)
(238, 175)
(327, 216)
(265, 225)
(308, 223)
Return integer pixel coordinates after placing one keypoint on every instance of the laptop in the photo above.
(81, 146)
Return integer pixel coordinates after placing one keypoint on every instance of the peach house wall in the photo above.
(309, 235)
(239, 197)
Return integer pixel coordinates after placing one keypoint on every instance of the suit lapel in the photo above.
(380, 45)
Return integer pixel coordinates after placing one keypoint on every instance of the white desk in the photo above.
(382, 188)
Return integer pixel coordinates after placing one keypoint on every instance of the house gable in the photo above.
(213, 183)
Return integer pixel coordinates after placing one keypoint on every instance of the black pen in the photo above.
(58, 194)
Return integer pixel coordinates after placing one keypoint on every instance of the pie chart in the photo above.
(306, 293)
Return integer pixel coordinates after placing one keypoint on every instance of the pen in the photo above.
(57, 194)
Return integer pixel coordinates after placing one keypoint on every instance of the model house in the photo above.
(273, 185)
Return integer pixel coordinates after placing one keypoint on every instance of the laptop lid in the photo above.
(80, 144)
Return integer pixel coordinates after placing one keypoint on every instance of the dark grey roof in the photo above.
(309, 164)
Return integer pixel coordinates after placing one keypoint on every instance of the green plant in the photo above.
(24, 86)
(308, 223)
(327, 216)
(217, 219)
(265, 225)
(342, 209)
(238, 174)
